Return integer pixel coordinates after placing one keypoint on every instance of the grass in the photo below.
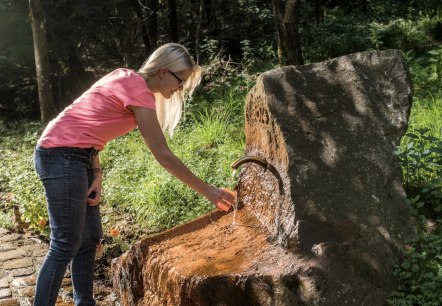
(426, 113)
(17, 173)
(6, 219)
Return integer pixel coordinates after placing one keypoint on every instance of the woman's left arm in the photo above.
(153, 136)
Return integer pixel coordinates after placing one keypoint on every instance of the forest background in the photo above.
(234, 41)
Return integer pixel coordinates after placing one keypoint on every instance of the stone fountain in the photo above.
(322, 219)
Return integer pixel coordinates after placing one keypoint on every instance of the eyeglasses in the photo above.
(182, 82)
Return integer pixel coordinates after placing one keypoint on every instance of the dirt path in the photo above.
(22, 252)
(21, 255)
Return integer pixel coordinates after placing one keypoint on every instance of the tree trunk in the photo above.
(141, 12)
(152, 24)
(78, 79)
(278, 25)
(149, 28)
(319, 12)
(173, 21)
(287, 29)
(210, 9)
(292, 40)
(198, 32)
(38, 23)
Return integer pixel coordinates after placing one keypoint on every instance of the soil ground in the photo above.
(24, 246)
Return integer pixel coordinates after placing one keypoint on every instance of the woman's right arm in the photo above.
(154, 138)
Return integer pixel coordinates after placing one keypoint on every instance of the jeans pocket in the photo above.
(41, 157)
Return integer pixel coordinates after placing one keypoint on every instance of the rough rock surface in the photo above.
(323, 225)
(209, 261)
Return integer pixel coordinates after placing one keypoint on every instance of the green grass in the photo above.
(6, 219)
(17, 173)
(426, 113)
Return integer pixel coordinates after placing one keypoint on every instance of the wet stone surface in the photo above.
(322, 223)
(20, 258)
(213, 260)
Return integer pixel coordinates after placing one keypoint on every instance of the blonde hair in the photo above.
(176, 58)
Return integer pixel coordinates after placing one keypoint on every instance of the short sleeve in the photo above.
(145, 99)
(133, 91)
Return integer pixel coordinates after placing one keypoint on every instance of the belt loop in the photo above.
(94, 152)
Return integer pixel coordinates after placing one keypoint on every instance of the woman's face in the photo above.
(172, 81)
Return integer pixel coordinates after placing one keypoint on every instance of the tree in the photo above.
(198, 31)
(289, 42)
(210, 8)
(38, 22)
(173, 21)
(149, 29)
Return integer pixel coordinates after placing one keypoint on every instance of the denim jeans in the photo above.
(75, 226)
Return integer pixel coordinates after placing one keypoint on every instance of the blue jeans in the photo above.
(75, 226)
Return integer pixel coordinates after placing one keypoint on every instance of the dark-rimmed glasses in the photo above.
(180, 80)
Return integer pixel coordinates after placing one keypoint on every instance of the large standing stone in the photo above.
(323, 225)
(330, 130)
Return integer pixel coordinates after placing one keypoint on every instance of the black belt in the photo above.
(92, 151)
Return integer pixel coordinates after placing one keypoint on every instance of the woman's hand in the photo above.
(94, 191)
(223, 199)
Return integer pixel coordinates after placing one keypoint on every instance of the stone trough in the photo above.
(322, 221)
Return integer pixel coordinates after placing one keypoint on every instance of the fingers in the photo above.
(226, 199)
(94, 193)
(93, 197)
(93, 202)
(222, 207)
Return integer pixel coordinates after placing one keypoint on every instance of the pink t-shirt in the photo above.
(100, 114)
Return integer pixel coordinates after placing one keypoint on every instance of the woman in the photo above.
(67, 161)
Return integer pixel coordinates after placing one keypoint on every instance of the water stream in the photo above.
(235, 204)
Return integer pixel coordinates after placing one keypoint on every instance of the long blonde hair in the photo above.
(176, 58)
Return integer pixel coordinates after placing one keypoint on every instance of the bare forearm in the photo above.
(177, 168)
(95, 162)
(96, 169)
(155, 141)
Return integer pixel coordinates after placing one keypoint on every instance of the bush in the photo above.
(420, 273)
(17, 174)
(421, 159)
(337, 37)
(416, 34)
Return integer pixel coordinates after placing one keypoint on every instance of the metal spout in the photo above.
(263, 163)
(249, 159)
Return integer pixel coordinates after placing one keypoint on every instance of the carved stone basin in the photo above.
(209, 261)
(324, 224)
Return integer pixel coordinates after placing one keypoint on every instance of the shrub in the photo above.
(416, 34)
(420, 273)
(337, 37)
(17, 174)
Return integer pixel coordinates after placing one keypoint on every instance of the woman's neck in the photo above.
(150, 81)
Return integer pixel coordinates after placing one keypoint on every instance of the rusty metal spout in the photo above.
(263, 163)
(249, 159)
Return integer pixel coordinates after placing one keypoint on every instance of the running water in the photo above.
(235, 204)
